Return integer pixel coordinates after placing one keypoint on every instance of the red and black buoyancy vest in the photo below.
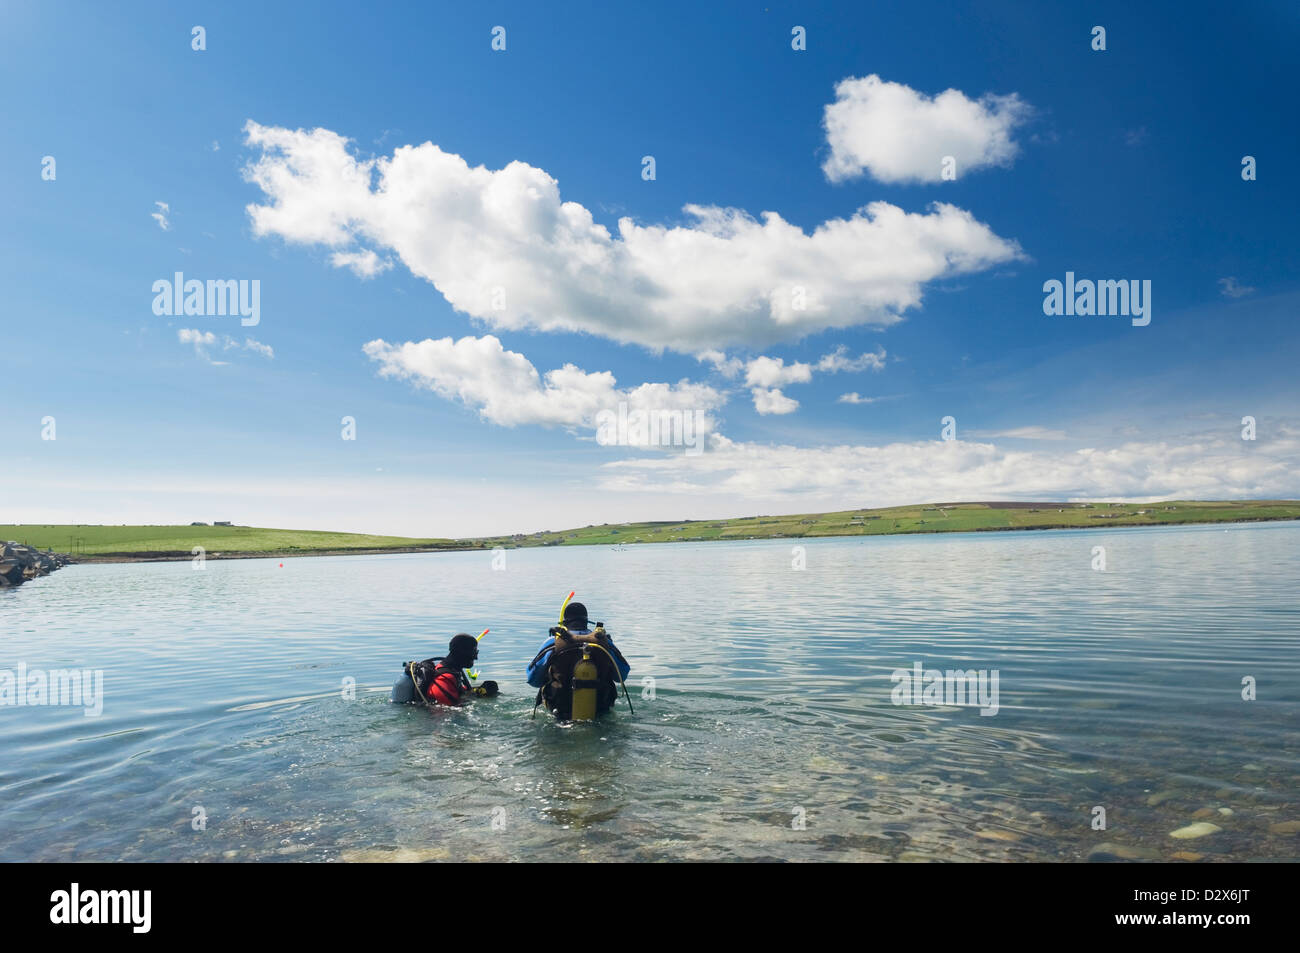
(439, 681)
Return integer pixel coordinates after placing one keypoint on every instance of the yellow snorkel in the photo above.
(474, 674)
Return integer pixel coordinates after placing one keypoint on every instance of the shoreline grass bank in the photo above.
(98, 543)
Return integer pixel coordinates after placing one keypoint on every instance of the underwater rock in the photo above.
(998, 835)
(1199, 829)
(402, 855)
(1110, 853)
(1285, 827)
(1188, 855)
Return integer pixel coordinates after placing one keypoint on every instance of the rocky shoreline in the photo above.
(18, 563)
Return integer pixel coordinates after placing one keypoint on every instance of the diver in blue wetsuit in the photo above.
(551, 671)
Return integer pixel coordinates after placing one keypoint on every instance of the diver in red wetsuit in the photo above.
(443, 680)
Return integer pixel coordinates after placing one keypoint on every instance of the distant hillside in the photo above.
(91, 543)
(176, 542)
(923, 518)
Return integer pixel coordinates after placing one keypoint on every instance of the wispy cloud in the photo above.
(838, 361)
(1207, 466)
(1135, 137)
(257, 347)
(1229, 288)
(203, 340)
(160, 216)
(1022, 433)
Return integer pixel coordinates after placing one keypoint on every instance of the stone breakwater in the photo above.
(18, 563)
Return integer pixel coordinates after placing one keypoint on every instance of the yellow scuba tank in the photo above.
(583, 687)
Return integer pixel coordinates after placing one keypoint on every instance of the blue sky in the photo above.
(1115, 164)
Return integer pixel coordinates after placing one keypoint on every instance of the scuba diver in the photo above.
(443, 681)
(578, 670)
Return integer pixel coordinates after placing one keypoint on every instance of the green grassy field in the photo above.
(225, 540)
(922, 518)
(178, 541)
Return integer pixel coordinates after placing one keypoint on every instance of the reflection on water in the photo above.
(767, 733)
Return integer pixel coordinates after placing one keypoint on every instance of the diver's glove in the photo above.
(487, 690)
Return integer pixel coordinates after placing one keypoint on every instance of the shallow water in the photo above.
(771, 733)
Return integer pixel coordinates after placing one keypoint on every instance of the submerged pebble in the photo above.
(1109, 853)
(403, 855)
(1199, 829)
(998, 835)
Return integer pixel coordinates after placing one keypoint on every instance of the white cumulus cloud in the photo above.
(772, 401)
(506, 389)
(728, 367)
(773, 372)
(503, 247)
(900, 135)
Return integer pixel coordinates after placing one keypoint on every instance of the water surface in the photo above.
(770, 734)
